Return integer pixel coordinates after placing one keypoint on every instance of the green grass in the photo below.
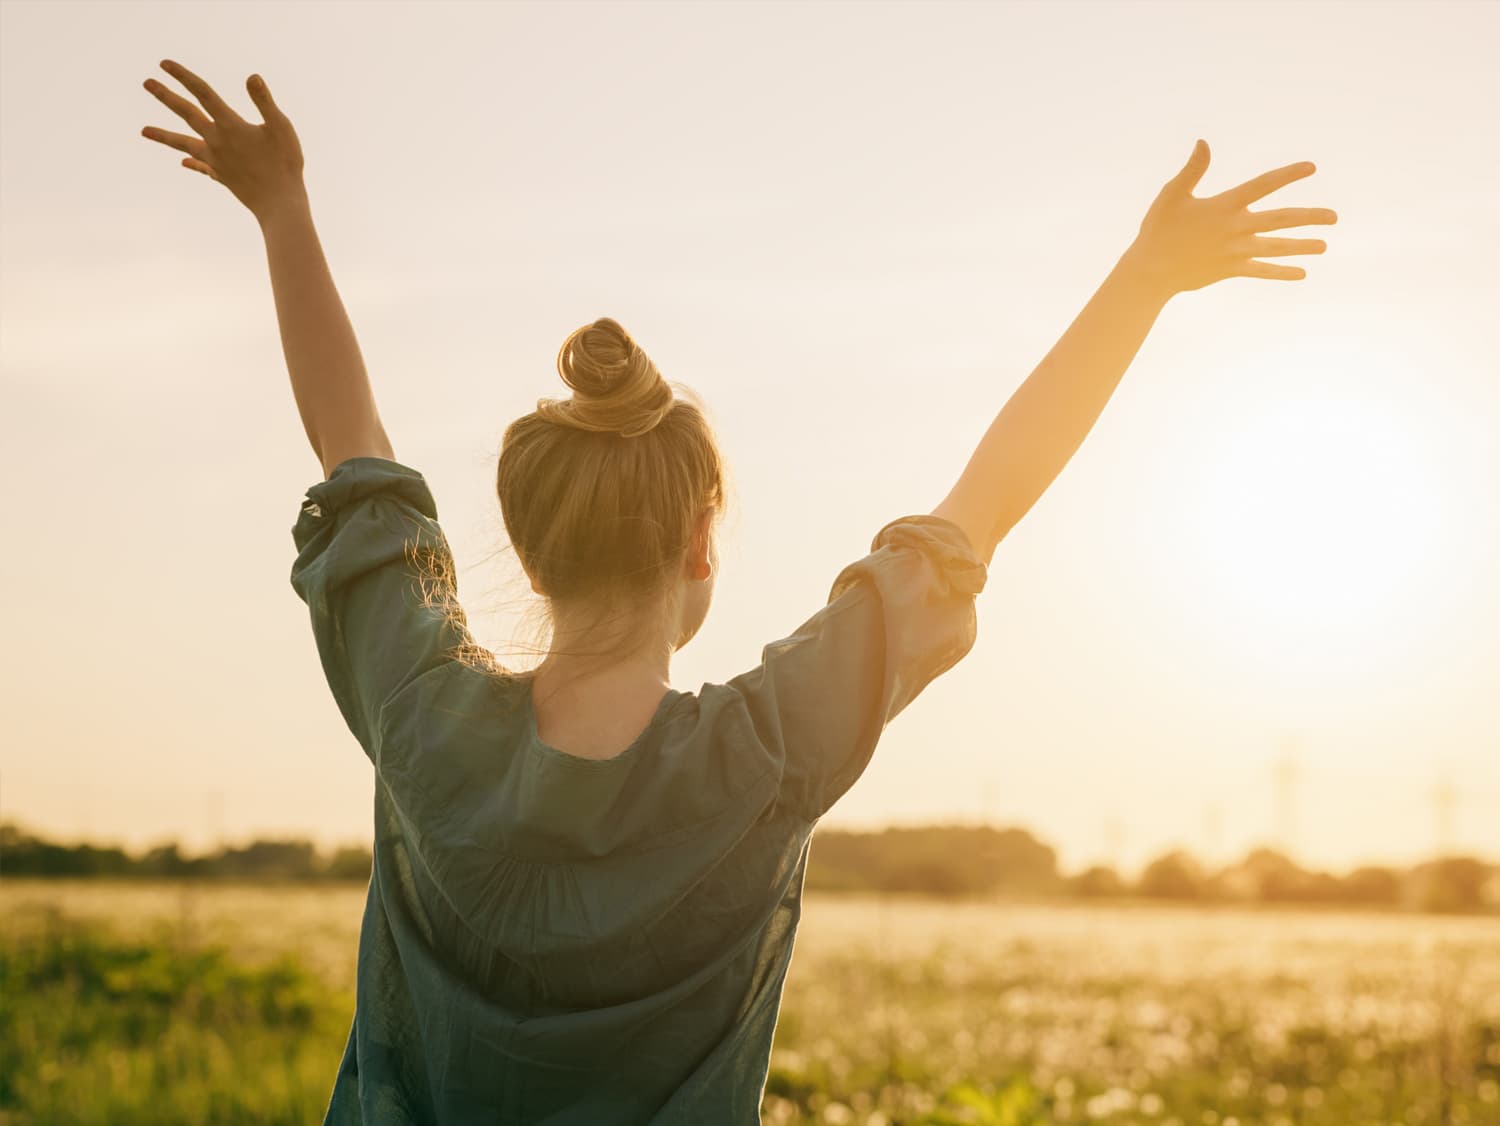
(97, 1028)
(894, 1013)
(1096, 1050)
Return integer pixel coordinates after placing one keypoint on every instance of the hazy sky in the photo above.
(854, 229)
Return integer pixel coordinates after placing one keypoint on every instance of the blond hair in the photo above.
(600, 492)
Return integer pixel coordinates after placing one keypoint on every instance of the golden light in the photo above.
(1322, 508)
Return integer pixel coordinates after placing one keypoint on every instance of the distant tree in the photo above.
(1272, 876)
(1323, 887)
(1489, 895)
(1173, 875)
(1454, 883)
(941, 859)
(1371, 884)
(349, 863)
(1281, 880)
(1098, 882)
(166, 860)
(1019, 861)
(267, 859)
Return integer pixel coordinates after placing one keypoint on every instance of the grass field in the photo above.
(164, 1004)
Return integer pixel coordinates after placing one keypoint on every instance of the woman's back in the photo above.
(579, 940)
(557, 937)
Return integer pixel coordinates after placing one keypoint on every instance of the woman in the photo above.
(587, 884)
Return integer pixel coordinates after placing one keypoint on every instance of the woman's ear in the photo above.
(700, 551)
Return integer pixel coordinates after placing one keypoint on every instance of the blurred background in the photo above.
(1243, 653)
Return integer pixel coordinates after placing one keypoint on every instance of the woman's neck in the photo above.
(623, 654)
(646, 673)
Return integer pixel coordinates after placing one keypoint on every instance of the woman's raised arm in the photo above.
(261, 165)
(1184, 243)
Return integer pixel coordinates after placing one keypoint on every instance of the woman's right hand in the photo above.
(1186, 243)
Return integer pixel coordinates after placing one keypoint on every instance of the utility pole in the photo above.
(1284, 774)
(213, 820)
(1444, 797)
(1213, 832)
(1114, 843)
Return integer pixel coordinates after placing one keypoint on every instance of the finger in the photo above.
(200, 166)
(1266, 183)
(193, 146)
(1258, 247)
(1253, 269)
(260, 94)
(1288, 217)
(195, 117)
(1186, 180)
(217, 107)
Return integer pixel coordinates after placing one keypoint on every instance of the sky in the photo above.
(853, 230)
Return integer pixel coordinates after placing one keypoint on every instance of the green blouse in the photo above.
(552, 939)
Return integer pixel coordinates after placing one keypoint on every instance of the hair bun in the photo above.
(615, 385)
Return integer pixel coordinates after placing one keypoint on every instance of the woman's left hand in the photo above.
(260, 164)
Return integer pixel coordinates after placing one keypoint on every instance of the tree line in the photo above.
(951, 861)
(25, 854)
(959, 861)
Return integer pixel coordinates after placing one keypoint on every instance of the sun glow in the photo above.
(1323, 506)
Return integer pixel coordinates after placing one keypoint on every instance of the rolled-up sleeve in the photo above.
(894, 621)
(368, 546)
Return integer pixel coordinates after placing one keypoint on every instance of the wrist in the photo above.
(289, 205)
(1143, 274)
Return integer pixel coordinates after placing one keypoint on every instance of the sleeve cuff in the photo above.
(355, 479)
(942, 541)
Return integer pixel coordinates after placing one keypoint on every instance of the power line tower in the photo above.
(1114, 843)
(1213, 832)
(1285, 772)
(1444, 797)
(213, 820)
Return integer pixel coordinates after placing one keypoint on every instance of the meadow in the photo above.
(164, 1003)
